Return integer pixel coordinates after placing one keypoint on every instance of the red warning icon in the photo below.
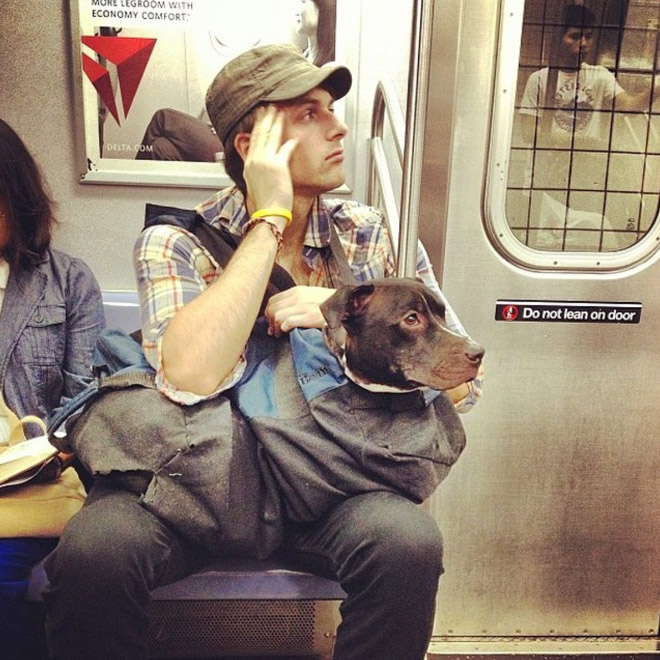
(510, 313)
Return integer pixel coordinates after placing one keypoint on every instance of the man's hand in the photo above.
(266, 172)
(298, 307)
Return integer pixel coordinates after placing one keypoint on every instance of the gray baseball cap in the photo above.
(277, 72)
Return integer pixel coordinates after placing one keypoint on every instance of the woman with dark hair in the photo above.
(316, 20)
(50, 316)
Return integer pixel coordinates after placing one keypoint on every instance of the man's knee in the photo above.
(88, 559)
(401, 535)
(103, 544)
(417, 545)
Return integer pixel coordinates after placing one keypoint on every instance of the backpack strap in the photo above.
(339, 256)
(220, 243)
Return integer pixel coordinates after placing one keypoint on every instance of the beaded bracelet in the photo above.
(254, 220)
(278, 211)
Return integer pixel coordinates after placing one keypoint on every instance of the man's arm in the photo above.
(530, 104)
(527, 128)
(205, 339)
(640, 102)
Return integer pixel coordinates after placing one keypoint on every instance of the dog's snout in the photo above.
(475, 353)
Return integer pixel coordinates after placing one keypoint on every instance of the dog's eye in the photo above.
(412, 319)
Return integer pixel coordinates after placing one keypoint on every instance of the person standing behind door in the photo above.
(50, 316)
(567, 113)
(572, 100)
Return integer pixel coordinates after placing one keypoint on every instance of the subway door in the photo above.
(548, 253)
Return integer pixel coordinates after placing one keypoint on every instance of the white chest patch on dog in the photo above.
(372, 387)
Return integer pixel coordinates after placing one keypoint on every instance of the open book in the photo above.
(25, 461)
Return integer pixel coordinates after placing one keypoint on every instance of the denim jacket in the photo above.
(51, 317)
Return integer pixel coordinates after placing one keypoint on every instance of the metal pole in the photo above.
(415, 123)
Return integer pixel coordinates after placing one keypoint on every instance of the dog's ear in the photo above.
(333, 310)
(357, 303)
(436, 305)
(346, 304)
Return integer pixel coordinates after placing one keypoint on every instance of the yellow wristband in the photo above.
(277, 211)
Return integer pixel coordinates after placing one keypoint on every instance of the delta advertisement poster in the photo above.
(142, 68)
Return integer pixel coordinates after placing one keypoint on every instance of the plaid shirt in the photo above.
(172, 268)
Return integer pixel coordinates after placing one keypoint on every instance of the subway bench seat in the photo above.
(238, 607)
(232, 607)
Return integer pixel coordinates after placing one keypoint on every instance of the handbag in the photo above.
(38, 493)
(325, 438)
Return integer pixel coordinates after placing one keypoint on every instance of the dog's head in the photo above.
(392, 332)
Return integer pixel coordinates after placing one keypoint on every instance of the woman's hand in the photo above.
(298, 307)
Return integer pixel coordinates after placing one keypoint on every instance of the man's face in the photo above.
(577, 42)
(317, 162)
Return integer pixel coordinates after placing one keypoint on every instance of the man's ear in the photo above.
(242, 144)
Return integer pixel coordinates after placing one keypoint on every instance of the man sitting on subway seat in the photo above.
(273, 111)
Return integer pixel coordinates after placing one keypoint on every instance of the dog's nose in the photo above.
(475, 353)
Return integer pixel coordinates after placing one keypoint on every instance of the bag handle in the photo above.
(16, 425)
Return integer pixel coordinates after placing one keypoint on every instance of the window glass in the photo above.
(584, 163)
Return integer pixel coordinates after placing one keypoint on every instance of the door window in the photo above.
(580, 107)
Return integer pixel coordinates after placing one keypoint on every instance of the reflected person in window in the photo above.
(566, 112)
(580, 95)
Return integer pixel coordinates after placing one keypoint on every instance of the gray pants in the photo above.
(385, 551)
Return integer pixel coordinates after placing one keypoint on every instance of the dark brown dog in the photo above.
(392, 332)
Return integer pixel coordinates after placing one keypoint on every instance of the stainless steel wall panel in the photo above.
(552, 516)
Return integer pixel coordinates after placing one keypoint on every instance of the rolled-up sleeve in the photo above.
(171, 269)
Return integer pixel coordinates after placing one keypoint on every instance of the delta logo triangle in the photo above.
(130, 55)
